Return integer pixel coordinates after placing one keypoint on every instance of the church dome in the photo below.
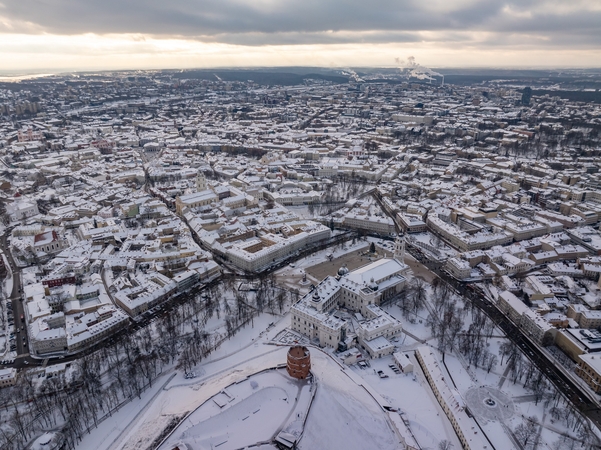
(373, 285)
(342, 271)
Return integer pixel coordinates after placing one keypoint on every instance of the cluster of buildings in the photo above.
(95, 255)
(123, 190)
(343, 312)
(248, 234)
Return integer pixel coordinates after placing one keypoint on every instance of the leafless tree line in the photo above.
(411, 299)
(580, 437)
(110, 377)
(446, 322)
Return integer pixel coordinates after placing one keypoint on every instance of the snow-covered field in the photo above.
(412, 395)
(343, 413)
(253, 410)
(140, 421)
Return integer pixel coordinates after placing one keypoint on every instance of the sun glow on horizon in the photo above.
(47, 52)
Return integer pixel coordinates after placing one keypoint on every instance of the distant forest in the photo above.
(259, 77)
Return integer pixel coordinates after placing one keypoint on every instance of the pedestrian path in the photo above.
(502, 380)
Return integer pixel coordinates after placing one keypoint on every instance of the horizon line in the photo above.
(48, 72)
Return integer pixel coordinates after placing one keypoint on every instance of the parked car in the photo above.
(382, 374)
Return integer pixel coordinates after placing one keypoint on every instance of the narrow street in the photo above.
(20, 327)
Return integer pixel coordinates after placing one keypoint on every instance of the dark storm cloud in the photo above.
(261, 22)
(205, 17)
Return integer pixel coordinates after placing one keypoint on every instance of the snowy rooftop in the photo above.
(378, 270)
(455, 405)
(593, 360)
(378, 344)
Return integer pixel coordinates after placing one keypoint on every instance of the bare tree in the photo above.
(491, 362)
(565, 443)
(445, 445)
(281, 300)
(508, 350)
(589, 438)
(442, 295)
(418, 295)
(526, 432)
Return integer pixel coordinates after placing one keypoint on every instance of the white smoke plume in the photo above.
(352, 74)
(411, 69)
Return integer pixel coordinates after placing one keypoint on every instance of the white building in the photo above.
(201, 182)
(463, 240)
(458, 267)
(200, 198)
(48, 334)
(361, 290)
(143, 292)
(255, 254)
(84, 330)
(22, 208)
(375, 224)
(467, 430)
(48, 242)
(293, 196)
(374, 330)
(8, 377)
(532, 324)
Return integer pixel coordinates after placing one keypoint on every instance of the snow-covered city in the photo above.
(328, 259)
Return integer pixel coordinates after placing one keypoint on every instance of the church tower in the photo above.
(399, 249)
(201, 182)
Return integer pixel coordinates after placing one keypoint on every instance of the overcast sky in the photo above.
(96, 34)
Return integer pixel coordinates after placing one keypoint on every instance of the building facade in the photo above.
(361, 290)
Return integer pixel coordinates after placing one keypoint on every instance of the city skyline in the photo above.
(62, 36)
